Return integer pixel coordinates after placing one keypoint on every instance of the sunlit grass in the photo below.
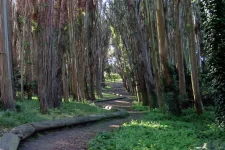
(158, 131)
(112, 78)
(106, 96)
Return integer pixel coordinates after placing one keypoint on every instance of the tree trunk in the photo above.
(162, 42)
(65, 81)
(143, 54)
(90, 48)
(45, 56)
(193, 61)
(180, 64)
(154, 58)
(164, 63)
(59, 54)
(5, 59)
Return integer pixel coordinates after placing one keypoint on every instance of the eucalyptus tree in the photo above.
(6, 84)
(127, 14)
(179, 50)
(23, 10)
(48, 89)
(169, 89)
(193, 61)
(150, 15)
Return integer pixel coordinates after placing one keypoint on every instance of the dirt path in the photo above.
(77, 138)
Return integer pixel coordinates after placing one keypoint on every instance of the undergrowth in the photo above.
(30, 112)
(158, 131)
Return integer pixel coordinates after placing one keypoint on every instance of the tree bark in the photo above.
(193, 61)
(142, 49)
(65, 81)
(180, 64)
(5, 59)
(60, 53)
(162, 42)
(163, 55)
(45, 56)
(90, 47)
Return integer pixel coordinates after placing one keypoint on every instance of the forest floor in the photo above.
(78, 137)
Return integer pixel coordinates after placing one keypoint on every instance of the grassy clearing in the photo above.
(30, 112)
(157, 131)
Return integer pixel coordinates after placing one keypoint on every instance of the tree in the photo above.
(194, 67)
(164, 62)
(47, 91)
(179, 51)
(5, 59)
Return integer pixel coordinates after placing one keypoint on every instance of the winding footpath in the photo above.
(77, 138)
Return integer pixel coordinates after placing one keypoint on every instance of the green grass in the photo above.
(158, 131)
(113, 78)
(139, 107)
(30, 112)
(106, 96)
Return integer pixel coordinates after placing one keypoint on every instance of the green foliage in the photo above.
(171, 92)
(206, 90)
(112, 77)
(28, 111)
(139, 107)
(213, 18)
(157, 131)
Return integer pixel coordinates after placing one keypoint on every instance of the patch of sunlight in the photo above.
(147, 124)
(34, 98)
(213, 127)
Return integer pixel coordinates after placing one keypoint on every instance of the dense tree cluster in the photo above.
(60, 48)
(156, 44)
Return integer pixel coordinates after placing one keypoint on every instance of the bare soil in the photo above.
(77, 137)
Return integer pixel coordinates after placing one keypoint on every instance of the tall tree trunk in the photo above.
(22, 49)
(65, 80)
(90, 47)
(180, 64)
(15, 62)
(142, 49)
(99, 46)
(5, 59)
(162, 40)
(28, 62)
(163, 55)
(99, 66)
(154, 58)
(59, 54)
(193, 61)
(45, 56)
